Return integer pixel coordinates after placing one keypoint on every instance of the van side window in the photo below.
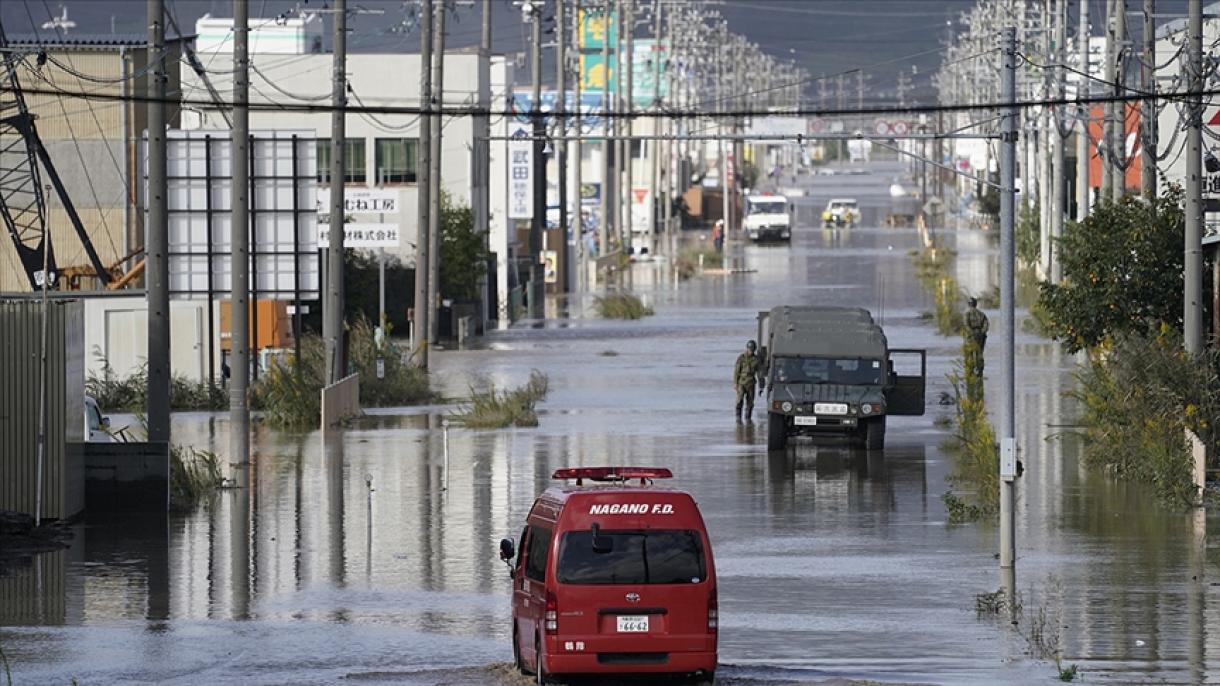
(540, 545)
(521, 547)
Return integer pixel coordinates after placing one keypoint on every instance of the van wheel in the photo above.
(777, 431)
(518, 663)
(874, 433)
(540, 675)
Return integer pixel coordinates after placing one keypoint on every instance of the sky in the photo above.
(826, 37)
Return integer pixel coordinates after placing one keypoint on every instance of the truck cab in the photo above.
(613, 578)
(830, 370)
(767, 218)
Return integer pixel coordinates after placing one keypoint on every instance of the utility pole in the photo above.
(1008, 153)
(655, 147)
(157, 246)
(1119, 187)
(1046, 136)
(567, 246)
(482, 144)
(579, 281)
(332, 310)
(1111, 80)
(434, 176)
(423, 185)
(539, 134)
(1192, 316)
(1148, 116)
(239, 318)
(628, 23)
(1059, 178)
(1084, 148)
(603, 225)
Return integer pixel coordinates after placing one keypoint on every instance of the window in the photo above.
(353, 161)
(632, 557)
(397, 160)
(820, 370)
(766, 207)
(535, 562)
(521, 546)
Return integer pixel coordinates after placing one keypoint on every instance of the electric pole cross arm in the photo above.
(22, 203)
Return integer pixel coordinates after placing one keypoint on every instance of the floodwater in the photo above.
(369, 557)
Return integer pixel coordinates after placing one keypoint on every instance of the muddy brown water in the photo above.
(835, 565)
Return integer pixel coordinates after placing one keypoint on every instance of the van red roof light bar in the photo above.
(611, 473)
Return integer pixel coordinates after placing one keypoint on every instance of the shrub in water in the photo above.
(621, 306)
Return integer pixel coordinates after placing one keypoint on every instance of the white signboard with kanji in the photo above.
(520, 176)
(357, 235)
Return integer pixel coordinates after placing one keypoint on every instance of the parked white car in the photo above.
(97, 425)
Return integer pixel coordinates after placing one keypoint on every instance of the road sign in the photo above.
(900, 128)
(881, 127)
(817, 125)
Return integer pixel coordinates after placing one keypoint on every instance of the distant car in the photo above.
(841, 212)
(97, 425)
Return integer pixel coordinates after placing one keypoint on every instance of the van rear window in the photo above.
(631, 557)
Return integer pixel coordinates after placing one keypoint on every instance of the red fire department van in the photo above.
(613, 578)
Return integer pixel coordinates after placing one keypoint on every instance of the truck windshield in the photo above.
(769, 207)
(631, 557)
(824, 370)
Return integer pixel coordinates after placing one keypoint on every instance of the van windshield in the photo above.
(631, 557)
(823, 370)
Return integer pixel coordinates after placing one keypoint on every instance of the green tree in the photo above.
(464, 253)
(1122, 272)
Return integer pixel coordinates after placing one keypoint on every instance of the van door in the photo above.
(530, 587)
(909, 380)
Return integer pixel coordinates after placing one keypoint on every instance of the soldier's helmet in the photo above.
(751, 345)
(972, 302)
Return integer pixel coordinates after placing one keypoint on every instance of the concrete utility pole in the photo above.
(1192, 316)
(539, 134)
(603, 227)
(1084, 148)
(577, 271)
(239, 318)
(655, 147)
(1119, 189)
(567, 246)
(1008, 158)
(1148, 115)
(434, 176)
(423, 185)
(1046, 136)
(482, 144)
(628, 105)
(1110, 76)
(1056, 131)
(332, 310)
(157, 245)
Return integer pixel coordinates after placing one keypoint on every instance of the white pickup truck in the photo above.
(767, 217)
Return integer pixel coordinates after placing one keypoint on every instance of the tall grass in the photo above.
(492, 409)
(687, 263)
(115, 393)
(933, 268)
(289, 394)
(193, 476)
(1138, 396)
(621, 306)
(976, 453)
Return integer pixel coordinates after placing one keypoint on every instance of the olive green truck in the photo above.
(830, 371)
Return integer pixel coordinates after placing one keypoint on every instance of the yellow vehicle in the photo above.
(841, 212)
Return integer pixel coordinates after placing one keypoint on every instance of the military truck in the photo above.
(830, 371)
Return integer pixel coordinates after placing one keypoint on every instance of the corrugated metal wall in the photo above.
(20, 346)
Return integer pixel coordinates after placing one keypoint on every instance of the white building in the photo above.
(382, 149)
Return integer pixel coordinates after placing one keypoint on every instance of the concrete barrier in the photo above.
(126, 476)
(341, 401)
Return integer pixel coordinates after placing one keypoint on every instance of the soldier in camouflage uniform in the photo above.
(746, 372)
(976, 332)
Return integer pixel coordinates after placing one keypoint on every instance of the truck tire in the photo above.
(874, 433)
(777, 431)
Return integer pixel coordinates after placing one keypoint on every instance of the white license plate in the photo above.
(633, 624)
(805, 421)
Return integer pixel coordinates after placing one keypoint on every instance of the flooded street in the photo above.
(361, 557)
